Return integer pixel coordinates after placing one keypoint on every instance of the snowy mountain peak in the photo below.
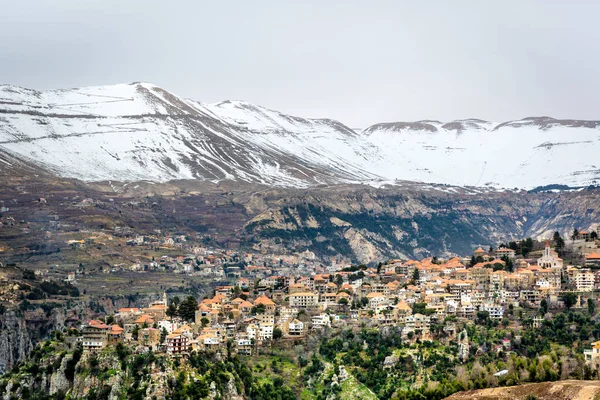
(139, 131)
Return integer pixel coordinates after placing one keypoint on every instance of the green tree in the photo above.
(526, 246)
(415, 276)
(172, 310)
(591, 305)
(187, 308)
(135, 332)
(559, 243)
(259, 309)
(497, 266)
(508, 264)
(575, 234)
(29, 275)
(569, 299)
(421, 308)
(363, 302)
(483, 316)
(473, 261)
(277, 334)
(543, 307)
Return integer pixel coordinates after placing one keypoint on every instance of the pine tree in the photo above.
(544, 307)
(415, 276)
(591, 304)
(473, 261)
(187, 308)
(575, 234)
(559, 243)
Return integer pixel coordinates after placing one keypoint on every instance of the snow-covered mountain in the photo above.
(138, 131)
(524, 154)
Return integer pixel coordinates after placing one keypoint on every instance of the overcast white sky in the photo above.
(361, 62)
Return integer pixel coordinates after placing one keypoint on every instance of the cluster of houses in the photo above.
(218, 263)
(246, 325)
(414, 295)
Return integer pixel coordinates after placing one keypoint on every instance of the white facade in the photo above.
(584, 280)
(169, 326)
(496, 312)
(320, 321)
(296, 328)
(548, 260)
(303, 300)
(266, 331)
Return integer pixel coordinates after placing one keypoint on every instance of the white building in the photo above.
(584, 280)
(505, 252)
(303, 300)
(418, 322)
(266, 332)
(251, 331)
(496, 312)
(296, 328)
(169, 326)
(550, 259)
(376, 299)
(321, 321)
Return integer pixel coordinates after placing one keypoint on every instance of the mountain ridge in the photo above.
(139, 131)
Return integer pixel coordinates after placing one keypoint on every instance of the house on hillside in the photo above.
(505, 252)
(177, 343)
(95, 335)
(592, 260)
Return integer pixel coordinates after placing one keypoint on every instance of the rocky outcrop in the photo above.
(58, 380)
(21, 330)
(91, 379)
(16, 340)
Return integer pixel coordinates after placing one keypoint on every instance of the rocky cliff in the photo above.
(22, 329)
(412, 221)
(58, 368)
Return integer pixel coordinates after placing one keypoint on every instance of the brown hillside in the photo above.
(567, 390)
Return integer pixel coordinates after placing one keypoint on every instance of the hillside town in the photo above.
(287, 302)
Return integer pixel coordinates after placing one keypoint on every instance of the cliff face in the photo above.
(59, 368)
(363, 223)
(21, 331)
(15, 340)
(374, 224)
